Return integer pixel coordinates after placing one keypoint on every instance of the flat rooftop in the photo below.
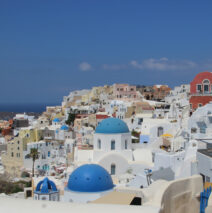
(207, 152)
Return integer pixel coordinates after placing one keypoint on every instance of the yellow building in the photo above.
(94, 94)
(86, 98)
(58, 115)
(13, 159)
(30, 135)
(97, 91)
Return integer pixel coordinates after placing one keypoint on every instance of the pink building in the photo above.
(79, 140)
(124, 91)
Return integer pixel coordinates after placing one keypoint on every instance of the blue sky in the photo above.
(49, 47)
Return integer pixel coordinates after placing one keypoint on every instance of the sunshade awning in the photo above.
(121, 198)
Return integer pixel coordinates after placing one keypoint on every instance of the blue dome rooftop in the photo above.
(112, 126)
(90, 178)
(46, 186)
(64, 127)
(56, 120)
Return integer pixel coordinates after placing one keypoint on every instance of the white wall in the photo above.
(107, 138)
(166, 160)
(119, 157)
(120, 162)
(44, 158)
(48, 197)
(82, 197)
(204, 165)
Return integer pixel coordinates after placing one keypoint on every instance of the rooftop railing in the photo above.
(202, 94)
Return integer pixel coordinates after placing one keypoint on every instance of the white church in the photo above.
(112, 149)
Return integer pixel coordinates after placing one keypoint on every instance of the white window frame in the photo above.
(197, 88)
(206, 80)
(206, 84)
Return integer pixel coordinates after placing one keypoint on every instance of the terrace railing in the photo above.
(204, 196)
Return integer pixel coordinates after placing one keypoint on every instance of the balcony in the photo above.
(202, 94)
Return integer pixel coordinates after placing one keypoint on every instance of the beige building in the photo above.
(92, 120)
(78, 123)
(142, 107)
(130, 111)
(13, 159)
(97, 94)
(42, 121)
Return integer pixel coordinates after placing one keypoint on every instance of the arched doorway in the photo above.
(160, 131)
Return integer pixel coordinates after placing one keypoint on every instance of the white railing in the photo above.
(201, 94)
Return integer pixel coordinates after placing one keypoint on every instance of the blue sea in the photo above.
(25, 107)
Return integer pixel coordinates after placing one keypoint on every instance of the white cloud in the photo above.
(136, 64)
(164, 59)
(163, 64)
(84, 66)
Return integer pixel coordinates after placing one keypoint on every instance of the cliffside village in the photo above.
(111, 141)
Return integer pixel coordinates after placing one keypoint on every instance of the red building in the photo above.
(201, 90)
(100, 117)
(6, 131)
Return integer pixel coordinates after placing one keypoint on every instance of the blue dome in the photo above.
(46, 186)
(112, 126)
(90, 178)
(56, 120)
(64, 127)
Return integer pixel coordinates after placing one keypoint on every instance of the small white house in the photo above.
(45, 155)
